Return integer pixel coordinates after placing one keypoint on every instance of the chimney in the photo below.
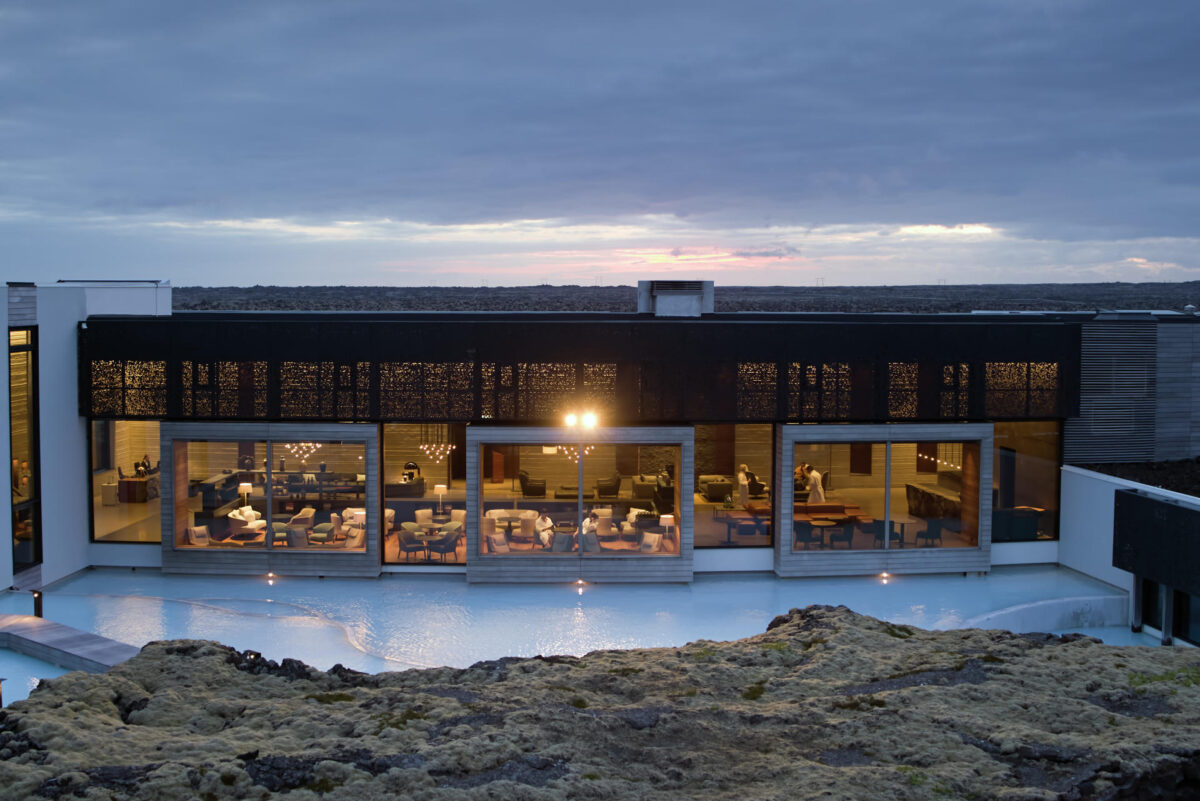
(675, 298)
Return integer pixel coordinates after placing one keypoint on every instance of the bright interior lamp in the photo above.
(572, 419)
(589, 420)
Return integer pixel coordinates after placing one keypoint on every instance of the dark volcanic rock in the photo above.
(826, 704)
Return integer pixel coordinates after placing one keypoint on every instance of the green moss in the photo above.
(579, 703)
(814, 642)
(1187, 677)
(990, 659)
(330, 698)
(860, 703)
(591, 777)
(913, 776)
(777, 645)
(899, 632)
(625, 671)
(391, 720)
(702, 654)
(754, 691)
(691, 692)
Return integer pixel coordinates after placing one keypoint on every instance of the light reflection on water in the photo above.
(407, 620)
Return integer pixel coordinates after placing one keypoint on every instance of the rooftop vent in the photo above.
(675, 298)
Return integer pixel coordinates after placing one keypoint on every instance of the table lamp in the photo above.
(439, 490)
(244, 490)
(667, 522)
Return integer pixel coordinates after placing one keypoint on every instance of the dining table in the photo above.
(820, 525)
(903, 521)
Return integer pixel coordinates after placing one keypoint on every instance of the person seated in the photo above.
(800, 475)
(590, 522)
(544, 528)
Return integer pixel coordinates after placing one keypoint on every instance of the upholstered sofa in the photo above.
(714, 488)
(643, 487)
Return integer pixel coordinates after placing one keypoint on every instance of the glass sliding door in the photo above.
(533, 503)
(840, 496)
(424, 494)
(23, 444)
(1025, 480)
(890, 489)
(220, 494)
(732, 473)
(126, 479)
(935, 493)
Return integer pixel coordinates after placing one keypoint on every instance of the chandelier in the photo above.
(302, 450)
(572, 451)
(435, 442)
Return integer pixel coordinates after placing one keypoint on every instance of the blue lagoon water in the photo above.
(403, 621)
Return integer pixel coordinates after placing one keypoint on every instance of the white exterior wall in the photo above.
(64, 468)
(1086, 524)
(733, 560)
(6, 562)
(65, 490)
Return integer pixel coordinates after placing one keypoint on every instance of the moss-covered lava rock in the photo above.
(825, 704)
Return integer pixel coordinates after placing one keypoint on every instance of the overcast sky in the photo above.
(747, 142)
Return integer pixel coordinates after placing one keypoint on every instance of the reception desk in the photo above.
(137, 490)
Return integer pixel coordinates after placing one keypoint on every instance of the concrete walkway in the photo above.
(61, 645)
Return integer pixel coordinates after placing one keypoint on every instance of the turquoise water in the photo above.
(404, 620)
(22, 673)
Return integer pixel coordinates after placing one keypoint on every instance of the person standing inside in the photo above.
(816, 493)
(743, 479)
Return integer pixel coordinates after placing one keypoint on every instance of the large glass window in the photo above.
(851, 496)
(220, 494)
(839, 493)
(126, 477)
(532, 501)
(23, 443)
(1025, 481)
(733, 466)
(318, 495)
(298, 495)
(935, 493)
(424, 493)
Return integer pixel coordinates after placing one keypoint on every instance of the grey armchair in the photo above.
(531, 487)
(608, 487)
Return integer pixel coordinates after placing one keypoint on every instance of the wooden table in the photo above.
(820, 526)
(903, 521)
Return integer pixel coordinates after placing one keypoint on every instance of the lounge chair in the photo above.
(608, 487)
(531, 487)
(409, 544)
(651, 541)
(326, 533)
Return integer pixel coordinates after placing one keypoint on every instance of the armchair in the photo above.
(326, 533)
(531, 487)
(409, 544)
(608, 487)
(448, 542)
(244, 522)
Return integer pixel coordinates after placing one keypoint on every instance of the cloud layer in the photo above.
(775, 142)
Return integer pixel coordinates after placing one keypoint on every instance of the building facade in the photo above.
(359, 443)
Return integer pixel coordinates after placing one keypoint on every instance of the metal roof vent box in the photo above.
(675, 298)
